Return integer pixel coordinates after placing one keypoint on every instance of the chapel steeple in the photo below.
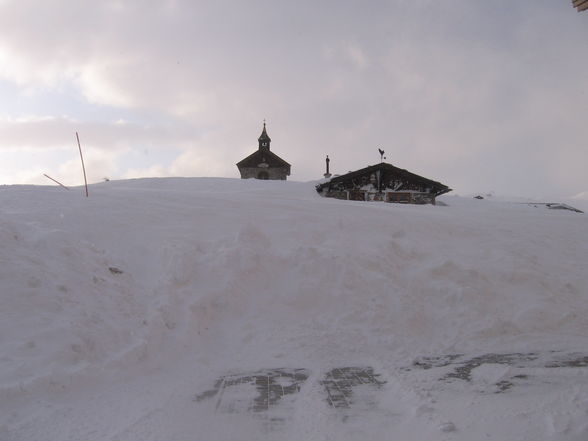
(264, 139)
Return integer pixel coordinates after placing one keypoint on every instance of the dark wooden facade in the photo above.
(264, 164)
(383, 182)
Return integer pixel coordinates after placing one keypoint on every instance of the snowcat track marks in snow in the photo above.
(270, 385)
(259, 391)
(522, 365)
(340, 383)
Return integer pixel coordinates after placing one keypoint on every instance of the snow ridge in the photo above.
(123, 306)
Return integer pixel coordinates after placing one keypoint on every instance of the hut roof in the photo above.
(436, 187)
(580, 5)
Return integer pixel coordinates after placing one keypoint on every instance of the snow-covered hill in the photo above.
(152, 309)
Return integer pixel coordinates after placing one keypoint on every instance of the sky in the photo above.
(483, 96)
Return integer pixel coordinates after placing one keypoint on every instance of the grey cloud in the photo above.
(480, 95)
(54, 132)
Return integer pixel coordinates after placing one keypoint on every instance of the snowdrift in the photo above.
(119, 308)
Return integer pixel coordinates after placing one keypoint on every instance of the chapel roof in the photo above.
(262, 156)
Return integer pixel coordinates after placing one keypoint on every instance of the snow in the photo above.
(119, 309)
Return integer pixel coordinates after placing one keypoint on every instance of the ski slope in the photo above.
(214, 309)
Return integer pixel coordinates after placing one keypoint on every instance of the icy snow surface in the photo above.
(231, 310)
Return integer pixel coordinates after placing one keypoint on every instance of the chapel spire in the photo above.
(264, 139)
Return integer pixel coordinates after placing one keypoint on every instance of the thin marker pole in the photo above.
(83, 167)
(55, 180)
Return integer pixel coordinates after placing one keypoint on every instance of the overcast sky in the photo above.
(480, 95)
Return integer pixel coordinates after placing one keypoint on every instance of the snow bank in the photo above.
(149, 289)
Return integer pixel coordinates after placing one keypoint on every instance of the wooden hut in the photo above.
(383, 182)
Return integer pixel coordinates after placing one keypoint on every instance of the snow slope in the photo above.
(119, 310)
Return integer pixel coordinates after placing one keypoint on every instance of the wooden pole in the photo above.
(56, 181)
(83, 167)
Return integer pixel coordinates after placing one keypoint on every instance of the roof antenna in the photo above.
(382, 157)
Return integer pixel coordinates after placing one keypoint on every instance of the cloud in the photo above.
(35, 143)
(478, 95)
(41, 132)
